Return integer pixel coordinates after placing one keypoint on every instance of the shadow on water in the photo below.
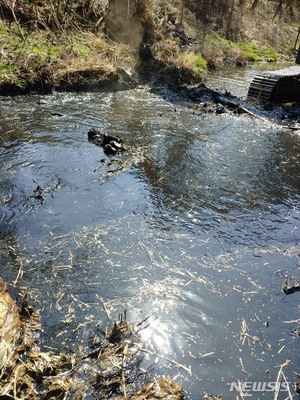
(197, 231)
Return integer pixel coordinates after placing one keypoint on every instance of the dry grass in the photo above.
(110, 369)
(103, 58)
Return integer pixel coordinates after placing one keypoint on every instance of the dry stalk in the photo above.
(149, 252)
(293, 321)
(278, 380)
(12, 8)
(20, 273)
(288, 386)
(243, 368)
(178, 365)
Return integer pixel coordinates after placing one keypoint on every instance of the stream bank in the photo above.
(115, 46)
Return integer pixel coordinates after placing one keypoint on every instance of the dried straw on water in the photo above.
(109, 370)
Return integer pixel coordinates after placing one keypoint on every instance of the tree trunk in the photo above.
(182, 11)
(278, 9)
(254, 4)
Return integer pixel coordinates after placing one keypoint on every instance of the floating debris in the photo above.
(163, 388)
(212, 397)
(110, 369)
(290, 287)
(111, 144)
(39, 193)
(296, 332)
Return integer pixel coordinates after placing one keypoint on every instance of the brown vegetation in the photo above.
(110, 369)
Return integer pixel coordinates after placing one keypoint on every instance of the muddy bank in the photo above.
(208, 100)
(97, 79)
(108, 367)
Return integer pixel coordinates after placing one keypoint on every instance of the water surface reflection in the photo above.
(197, 233)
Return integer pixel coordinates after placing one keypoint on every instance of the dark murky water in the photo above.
(197, 229)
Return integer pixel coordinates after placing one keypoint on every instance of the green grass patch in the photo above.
(194, 62)
(82, 49)
(251, 52)
(16, 49)
(259, 53)
(270, 54)
(219, 48)
(9, 74)
(5, 67)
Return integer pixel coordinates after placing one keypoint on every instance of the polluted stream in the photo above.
(194, 227)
